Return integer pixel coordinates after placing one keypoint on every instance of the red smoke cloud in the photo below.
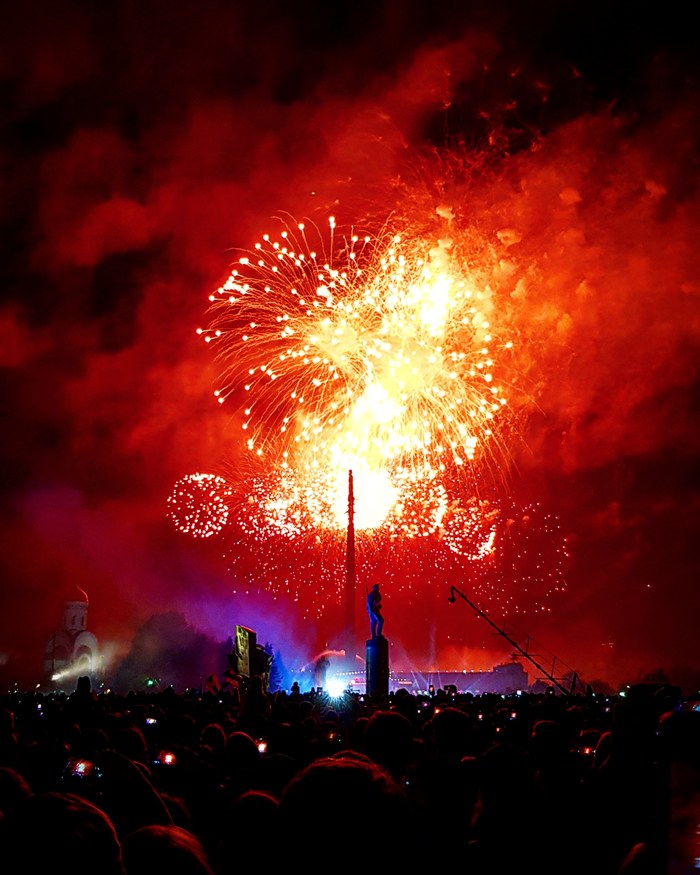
(144, 144)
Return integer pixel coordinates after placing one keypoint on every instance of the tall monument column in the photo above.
(350, 575)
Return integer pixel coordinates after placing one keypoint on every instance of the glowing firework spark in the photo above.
(286, 503)
(376, 357)
(315, 503)
(513, 557)
(470, 531)
(199, 504)
(516, 555)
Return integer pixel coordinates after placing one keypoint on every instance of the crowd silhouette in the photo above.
(214, 783)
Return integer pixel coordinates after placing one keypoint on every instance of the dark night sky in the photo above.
(141, 142)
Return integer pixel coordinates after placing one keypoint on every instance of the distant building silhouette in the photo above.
(72, 651)
(508, 677)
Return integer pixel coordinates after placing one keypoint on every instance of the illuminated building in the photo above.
(72, 651)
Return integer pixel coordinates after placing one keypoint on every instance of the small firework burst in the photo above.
(199, 504)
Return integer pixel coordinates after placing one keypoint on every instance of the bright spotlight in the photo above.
(335, 688)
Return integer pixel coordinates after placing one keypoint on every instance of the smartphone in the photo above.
(81, 768)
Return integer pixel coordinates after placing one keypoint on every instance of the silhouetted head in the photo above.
(54, 827)
(330, 793)
(388, 741)
(167, 849)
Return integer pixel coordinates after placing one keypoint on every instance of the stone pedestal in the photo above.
(377, 666)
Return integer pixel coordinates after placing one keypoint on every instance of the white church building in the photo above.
(72, 651)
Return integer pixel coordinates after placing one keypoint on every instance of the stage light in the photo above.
(335, 688)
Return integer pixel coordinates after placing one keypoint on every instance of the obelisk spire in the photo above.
(350, 578)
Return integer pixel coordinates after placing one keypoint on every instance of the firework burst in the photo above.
(199, 504)
(380, 355)
(370, 354)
